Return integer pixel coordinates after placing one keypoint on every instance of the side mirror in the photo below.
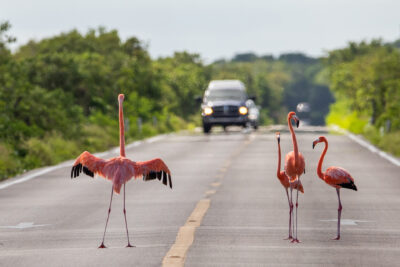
(198, 99)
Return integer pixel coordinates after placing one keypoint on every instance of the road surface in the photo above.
(225, 193)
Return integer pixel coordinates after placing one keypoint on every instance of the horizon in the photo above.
(214, 30)
(14, 46)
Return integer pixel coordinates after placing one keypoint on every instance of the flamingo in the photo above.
(336, 177)
(284, 179)
(294, 164)
(120, 170)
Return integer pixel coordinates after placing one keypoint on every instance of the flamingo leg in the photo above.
(339, 214)
(290, 216)
(292, 210)
(295, 240)
(126, 224)
(297, 205)
(108, 216)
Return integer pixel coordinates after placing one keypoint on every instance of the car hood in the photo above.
(225, 103)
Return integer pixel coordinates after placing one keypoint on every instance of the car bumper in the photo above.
(225, 120)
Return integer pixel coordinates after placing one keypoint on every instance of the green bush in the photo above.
(340, 115)
(39, 153)
(391, 143)
(9, 165)
(98, 138)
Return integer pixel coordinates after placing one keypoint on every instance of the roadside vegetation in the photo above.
(365, 79)
(58, 96)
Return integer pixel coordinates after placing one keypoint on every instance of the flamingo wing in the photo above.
(88, 164)
(152, 169)
(339, 177)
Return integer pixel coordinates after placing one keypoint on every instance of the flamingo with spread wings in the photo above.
(284, 179)
(120, 170)
(336, 177)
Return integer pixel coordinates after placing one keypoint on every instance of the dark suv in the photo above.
(225, 103)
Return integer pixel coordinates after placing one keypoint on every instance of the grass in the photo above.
(358, 124)
(53, 148)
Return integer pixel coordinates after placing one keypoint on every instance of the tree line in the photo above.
(58, 95)
(365, 80)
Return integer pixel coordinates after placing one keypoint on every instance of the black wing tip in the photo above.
(164, 180)
(162, 176)
(150, 176)
(78, 168)
(351, 186)
(88, 172)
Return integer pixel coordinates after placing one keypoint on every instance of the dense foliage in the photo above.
(58, 95)
(365, 79)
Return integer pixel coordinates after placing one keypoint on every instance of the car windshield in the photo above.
(225, 94)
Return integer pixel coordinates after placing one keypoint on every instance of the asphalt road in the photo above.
(55, 221)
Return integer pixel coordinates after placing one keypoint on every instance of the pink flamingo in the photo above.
(286, 184)
(336, 177)
(294, 164)
(120, 170)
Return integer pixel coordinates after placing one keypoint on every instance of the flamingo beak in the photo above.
(315, 143)
(296, 119)
(278, 136)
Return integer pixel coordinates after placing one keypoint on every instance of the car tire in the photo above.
(206, 128)
(255, 127)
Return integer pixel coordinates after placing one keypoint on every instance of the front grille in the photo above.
(225, 111)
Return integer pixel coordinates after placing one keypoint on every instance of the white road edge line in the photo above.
(31, 176)
(68, 163)
(367, 145)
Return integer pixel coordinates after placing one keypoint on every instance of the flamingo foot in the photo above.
(102, 245)
(337, 238)
(130, 246)
(295, 240)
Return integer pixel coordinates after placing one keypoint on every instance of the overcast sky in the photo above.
(213, 28)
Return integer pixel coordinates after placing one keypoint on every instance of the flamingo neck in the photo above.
(295, 149)
(278, 172)
(321, 159)
(121, 131)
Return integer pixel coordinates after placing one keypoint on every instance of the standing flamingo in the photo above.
(294, 164)
(336, 177)
(120, 169)
(285, 183)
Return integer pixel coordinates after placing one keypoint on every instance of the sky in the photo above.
(213, 28)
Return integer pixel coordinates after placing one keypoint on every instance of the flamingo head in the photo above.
(292, 115)
(278, 136)
(121, 98)
(319, 140)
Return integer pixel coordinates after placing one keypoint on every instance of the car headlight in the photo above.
(243, 110)
(208, 110)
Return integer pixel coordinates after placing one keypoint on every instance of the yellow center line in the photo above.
(210, 192)
(216, 184)
(219, 176)
(177, 254)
